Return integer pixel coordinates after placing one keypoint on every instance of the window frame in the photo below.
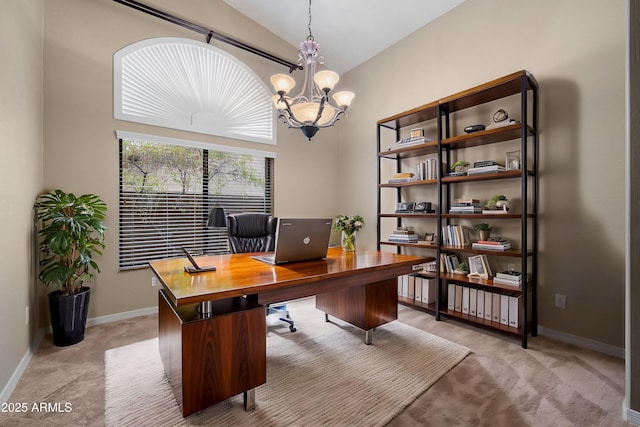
(198, 239)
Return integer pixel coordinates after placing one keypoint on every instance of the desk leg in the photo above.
(368, 336)
(250, 400)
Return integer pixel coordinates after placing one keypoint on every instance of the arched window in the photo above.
(189, 85)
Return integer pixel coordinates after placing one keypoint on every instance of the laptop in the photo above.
(299, 239)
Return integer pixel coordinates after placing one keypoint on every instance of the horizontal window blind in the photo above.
(166, 193)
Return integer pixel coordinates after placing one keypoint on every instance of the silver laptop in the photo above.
(299, 239)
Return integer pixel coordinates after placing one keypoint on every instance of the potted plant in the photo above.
(484, 229)
(71, 234)
(462, 268)
(499, 201)
(459, 166)
(349, 225)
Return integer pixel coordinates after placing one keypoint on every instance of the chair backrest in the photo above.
(251, 232)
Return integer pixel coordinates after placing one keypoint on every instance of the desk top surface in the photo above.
(239, 274)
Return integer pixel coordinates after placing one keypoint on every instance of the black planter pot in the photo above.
(69, 316)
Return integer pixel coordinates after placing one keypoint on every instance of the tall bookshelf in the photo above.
(442, 122)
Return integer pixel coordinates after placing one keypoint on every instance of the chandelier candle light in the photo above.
(311, 109)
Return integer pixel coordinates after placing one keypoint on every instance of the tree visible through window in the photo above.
(167, 191)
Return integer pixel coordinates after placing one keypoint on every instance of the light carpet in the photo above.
(323, 374)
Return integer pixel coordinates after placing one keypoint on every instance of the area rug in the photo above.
(323, 374)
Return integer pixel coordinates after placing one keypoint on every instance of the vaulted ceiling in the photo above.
(349, 31)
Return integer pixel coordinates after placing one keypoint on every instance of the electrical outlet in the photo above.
(26, 316)
(561, 301)
(153, 281)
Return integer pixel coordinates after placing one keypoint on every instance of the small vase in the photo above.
(484, 234)
(348, 241)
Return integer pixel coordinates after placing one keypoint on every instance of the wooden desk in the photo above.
(213, 356)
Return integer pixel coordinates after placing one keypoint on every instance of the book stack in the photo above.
(465, 206)
(455, 235)
(402, 177)
(510, 278)
(414, 140)
(404, 236)
(448, 262)
(431, 169)
(486, 169)
(497, 244)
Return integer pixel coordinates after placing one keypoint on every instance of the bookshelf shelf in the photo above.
(437, 119)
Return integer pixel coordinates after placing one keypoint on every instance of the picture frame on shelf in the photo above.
(417, 133)
(477, 268)
(512, 161)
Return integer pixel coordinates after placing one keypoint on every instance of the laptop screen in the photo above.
(300, 239)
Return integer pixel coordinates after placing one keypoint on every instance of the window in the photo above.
(190, 85)
(168, 187)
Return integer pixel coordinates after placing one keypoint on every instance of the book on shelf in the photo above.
(448, 262)
(484, 163)
(509, 275)
(412, 140)
(455, 235)
(404, 231)
(485, 169)
(401, 180)
(394, 239)
(403, 236)
(491, 247)
(514, 311)
(504, 309)
(403, 175)
(486, 211)
(468, 206)
(463, 202)
(473, 301)
(465, 210)
(497, 281)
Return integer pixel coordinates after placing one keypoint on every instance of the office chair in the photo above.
(256, 232)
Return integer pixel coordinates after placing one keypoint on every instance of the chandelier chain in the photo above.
(310, 37)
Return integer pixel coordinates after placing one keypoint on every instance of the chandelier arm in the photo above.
(320, 110)
(290, 118)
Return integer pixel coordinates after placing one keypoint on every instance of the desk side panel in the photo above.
(366, 306)
(170, 345)
(223, 356)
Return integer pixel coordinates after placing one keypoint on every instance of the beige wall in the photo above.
(80, 145)
(20, 173)
(579, 64)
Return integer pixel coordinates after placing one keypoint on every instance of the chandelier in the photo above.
(311, 109)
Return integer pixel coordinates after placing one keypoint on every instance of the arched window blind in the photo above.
(168, 187)
(189, 85)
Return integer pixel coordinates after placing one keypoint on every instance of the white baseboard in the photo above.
(121, 316)
(13, 381)
(583, 342)
(629, 415)
(22, 366)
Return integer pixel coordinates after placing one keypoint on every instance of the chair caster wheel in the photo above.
(292, 329)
